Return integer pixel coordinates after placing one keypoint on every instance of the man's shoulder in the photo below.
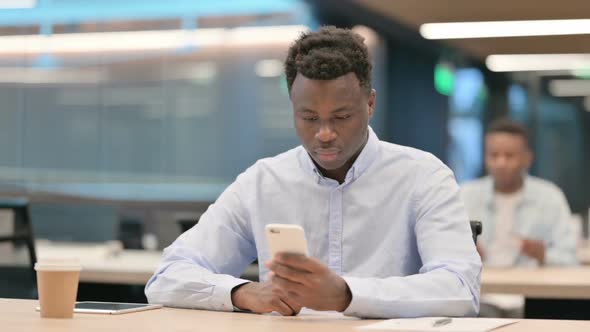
(476, 184)
(542, 187)
(395, 153)
(283, 162)
(277, 168)
(545, 195)
(282, 159)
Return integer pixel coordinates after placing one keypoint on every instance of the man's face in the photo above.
(507, 156)
(331, 118)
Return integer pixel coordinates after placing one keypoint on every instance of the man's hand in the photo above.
(262, 298)
(534, 249)
(308, 282)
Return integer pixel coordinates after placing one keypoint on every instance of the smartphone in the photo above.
(286, 238)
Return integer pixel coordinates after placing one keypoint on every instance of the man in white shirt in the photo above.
(387, 233)
(526, 220)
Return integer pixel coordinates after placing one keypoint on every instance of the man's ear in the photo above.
(371, 102)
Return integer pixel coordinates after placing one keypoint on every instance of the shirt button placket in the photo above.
(335, 231)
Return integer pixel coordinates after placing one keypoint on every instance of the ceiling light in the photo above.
(269, 68)
(370, 35)
(26, 75)
(17, 4)
(504, 29)
(569, 88)
(147, 40)
(537, 62)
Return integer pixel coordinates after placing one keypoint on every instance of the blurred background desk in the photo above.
(105, 262)
(89, 214)
(584, 253)
(99, 212)
(143, 194)
(109, 272)
(107, 269)
(561, 293)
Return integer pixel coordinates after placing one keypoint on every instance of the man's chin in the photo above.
(329, 166)
(505, 182)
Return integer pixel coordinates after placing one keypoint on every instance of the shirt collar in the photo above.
(489, 190)
(360, 165)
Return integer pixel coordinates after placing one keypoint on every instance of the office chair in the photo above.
(476, 229)
(18, 282)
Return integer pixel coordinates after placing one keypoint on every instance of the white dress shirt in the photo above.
(505, 245)
(395, 230)
(541, 213)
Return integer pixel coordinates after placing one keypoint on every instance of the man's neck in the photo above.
(509, 188)
(339, 174)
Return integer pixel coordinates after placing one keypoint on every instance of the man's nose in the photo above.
(501, 161)
(326, 133)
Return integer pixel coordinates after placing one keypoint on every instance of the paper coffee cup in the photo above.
(57, 284)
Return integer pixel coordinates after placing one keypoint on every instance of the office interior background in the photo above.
(123, 120)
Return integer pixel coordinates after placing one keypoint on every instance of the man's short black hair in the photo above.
(508, 126)
(328, 54)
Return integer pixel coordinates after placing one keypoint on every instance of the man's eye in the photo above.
(343, 117)
(309, 118)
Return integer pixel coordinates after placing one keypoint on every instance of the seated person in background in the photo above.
(387, 233)
(526, 220)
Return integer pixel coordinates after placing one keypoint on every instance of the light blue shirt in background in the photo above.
(542, 214)
(395, 230)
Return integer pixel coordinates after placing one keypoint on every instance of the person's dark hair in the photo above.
(328, 54)
(509, 127)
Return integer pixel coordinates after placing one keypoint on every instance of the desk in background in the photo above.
(584, 253)
(547, 282)
(550, 292)
(109, 263)
(101, 211)
(161, 195)
(20, 315)
(105, 263)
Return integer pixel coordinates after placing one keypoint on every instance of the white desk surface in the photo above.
(20, 315)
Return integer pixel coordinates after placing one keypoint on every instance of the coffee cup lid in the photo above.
(58, 265)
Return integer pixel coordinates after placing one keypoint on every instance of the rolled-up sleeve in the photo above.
(448, 283)
(202, 266)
